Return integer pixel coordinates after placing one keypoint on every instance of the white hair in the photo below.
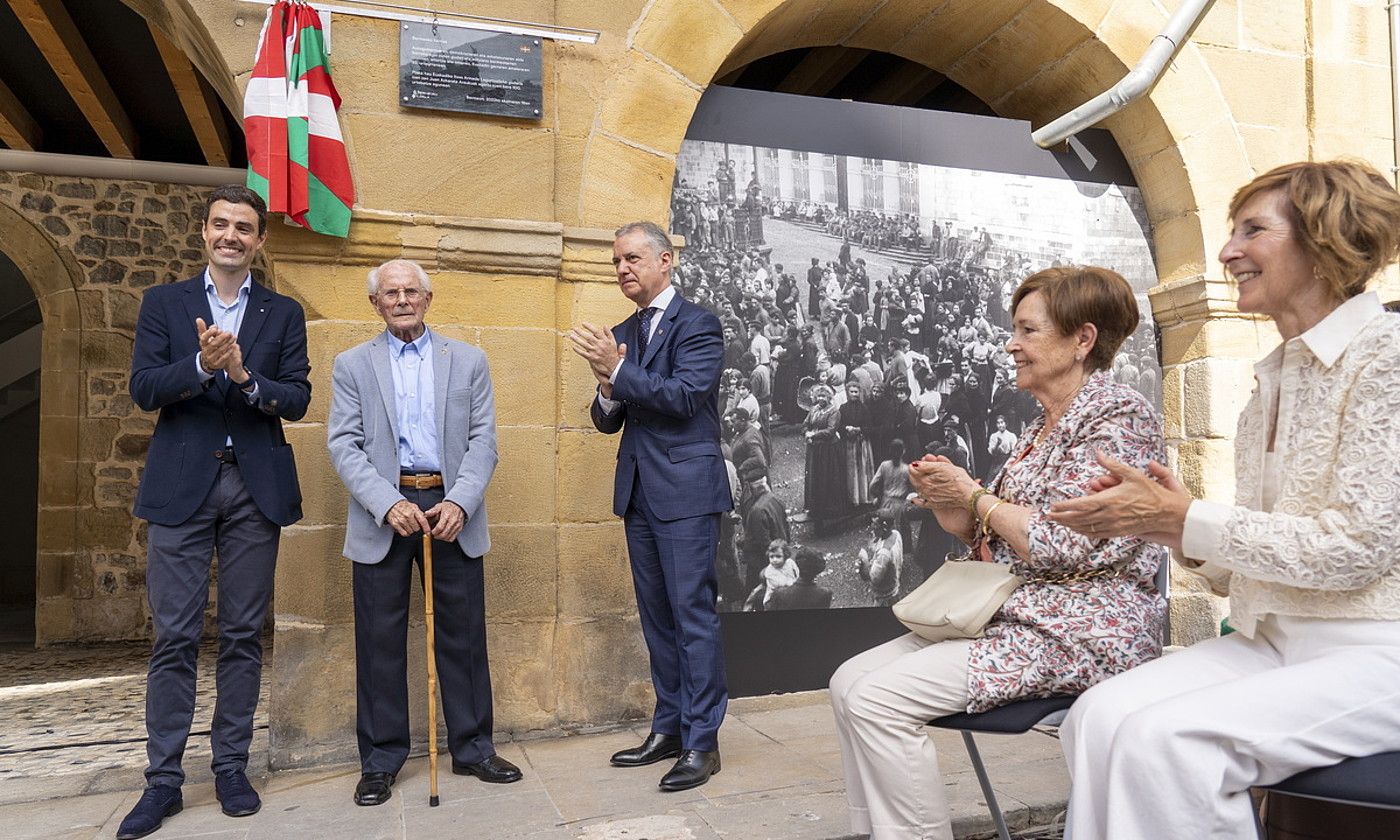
(409, 264)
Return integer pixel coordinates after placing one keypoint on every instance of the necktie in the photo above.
(644, 336)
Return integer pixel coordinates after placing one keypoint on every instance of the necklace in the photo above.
(1064, 405)
(1044, 432)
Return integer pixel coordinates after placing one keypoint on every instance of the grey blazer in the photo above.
(362, 436)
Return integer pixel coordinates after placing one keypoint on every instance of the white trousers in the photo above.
(1169, 750)
(882, 699)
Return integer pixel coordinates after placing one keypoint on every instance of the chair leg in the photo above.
(982, 779)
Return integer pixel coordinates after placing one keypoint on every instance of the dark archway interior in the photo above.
(21, 329)
(858, 75)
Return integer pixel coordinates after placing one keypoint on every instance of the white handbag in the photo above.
(957, 600)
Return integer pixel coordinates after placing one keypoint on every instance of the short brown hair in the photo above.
(237, 194)
(1346, 214)
(1076, 295)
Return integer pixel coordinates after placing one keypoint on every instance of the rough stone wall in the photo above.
(121, 238)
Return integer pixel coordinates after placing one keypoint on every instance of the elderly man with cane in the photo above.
(412, 433)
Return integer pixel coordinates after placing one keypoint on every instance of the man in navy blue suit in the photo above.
(658, 383)
(223, 360)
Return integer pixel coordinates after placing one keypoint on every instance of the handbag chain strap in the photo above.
(1075, 576)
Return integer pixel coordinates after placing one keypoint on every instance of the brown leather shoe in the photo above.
(494, 769)
(655, 748)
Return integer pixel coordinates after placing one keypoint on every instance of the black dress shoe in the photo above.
(655, 748)
(157, 803)
(236, 797)
(374, 788)
(494, 769)
(693, 769)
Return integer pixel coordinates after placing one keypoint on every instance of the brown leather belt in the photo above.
(420, 481)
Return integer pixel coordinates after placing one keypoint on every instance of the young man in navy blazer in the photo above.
(223, 360)
(658, 383)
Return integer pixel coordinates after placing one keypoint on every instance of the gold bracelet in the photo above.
(972, 500)
(987, 519)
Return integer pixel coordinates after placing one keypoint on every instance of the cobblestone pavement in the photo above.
(72, 720)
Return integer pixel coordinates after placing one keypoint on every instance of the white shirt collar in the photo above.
(662, 300)
(1330, 337)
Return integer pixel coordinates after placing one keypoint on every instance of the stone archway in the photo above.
(1029, 60)
(54, 277)
(90, 247)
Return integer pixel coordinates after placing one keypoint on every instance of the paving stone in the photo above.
(812, 812)
(79, 817)
(71, 727)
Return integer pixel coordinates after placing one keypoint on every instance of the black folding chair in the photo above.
(1370, 782)
(1019, 717)
(1011, 719)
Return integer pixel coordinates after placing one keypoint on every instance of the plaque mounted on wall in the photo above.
(450, 68)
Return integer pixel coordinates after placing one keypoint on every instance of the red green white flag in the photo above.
(296, 155)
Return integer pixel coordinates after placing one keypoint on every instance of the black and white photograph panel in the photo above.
(865, 306)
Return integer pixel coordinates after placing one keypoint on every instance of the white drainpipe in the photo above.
(121, 169)
(1393, 9)
(1139, 80)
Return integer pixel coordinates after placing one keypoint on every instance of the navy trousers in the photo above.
(178, 559)
(381, 649)
(673, 572)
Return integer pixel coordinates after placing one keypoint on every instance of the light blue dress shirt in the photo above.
(229, 318)
(415, 402)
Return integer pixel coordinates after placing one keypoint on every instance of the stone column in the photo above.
(1208, 352)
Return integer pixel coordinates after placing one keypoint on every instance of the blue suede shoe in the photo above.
(157, 803)
(236, 796)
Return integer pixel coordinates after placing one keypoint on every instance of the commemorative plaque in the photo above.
(450, 68)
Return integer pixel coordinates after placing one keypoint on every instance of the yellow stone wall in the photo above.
(512, 219)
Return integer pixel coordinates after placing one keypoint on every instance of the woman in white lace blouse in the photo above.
(1308, 553)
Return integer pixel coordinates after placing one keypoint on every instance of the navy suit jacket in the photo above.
(197, 417)
(669, 417)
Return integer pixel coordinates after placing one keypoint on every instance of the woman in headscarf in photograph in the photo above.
(824, 487)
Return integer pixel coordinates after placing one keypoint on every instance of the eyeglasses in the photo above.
(410, 295)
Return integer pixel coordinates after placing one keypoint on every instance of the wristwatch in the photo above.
(250, 384)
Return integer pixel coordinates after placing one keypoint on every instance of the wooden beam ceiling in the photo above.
(908, 82)
(200, 106)
(18, 128)
(821, 70)
(57, 37)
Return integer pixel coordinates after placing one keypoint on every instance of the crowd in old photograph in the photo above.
(838, 373)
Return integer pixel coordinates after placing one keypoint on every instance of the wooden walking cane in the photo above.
(432, 668)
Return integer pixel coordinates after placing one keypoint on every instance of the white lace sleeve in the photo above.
(1353, 541)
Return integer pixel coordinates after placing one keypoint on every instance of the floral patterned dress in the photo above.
(1062, 638)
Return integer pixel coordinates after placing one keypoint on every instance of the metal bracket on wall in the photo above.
(414, 14)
